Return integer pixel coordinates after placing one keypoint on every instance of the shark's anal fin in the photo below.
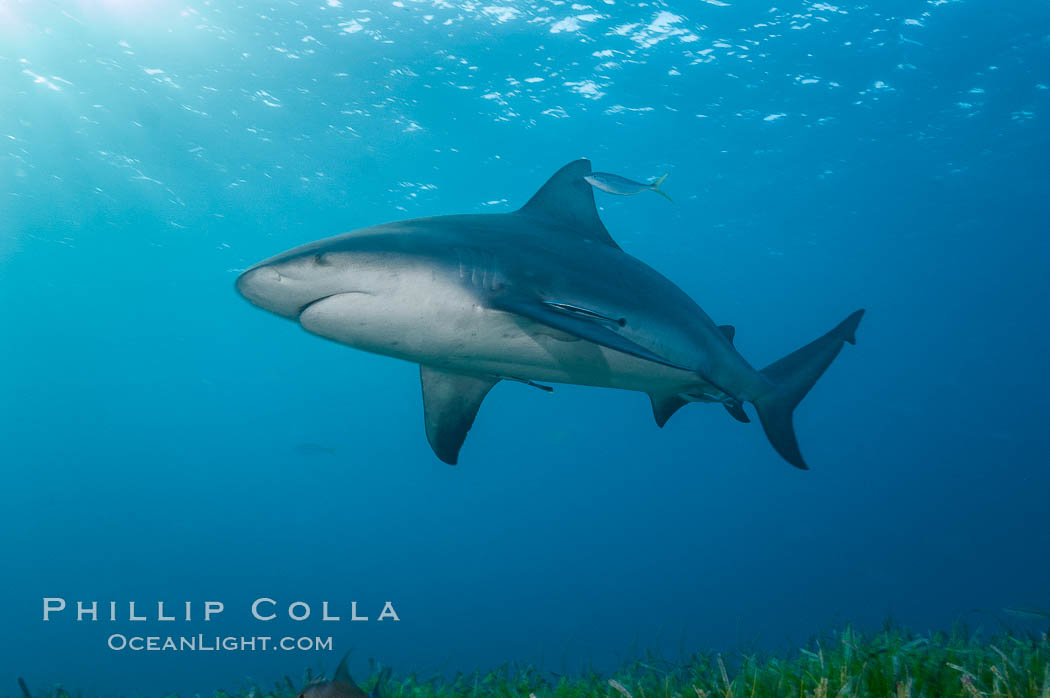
(590, 329)
(567, 201)
(664, 406)
(450, 403)
(736, 410)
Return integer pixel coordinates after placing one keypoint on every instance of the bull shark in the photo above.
(341, 685)
(538, 295)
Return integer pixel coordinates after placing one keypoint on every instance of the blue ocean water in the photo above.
(164, 440)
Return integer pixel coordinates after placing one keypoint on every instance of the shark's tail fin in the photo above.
(379, 690)
(792, 377)
(655, 186)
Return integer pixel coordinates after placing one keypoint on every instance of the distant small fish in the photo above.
(341, 685)
(621, 186)
(25, 689)
(620, 688)
(315, 450)
(1027, 612)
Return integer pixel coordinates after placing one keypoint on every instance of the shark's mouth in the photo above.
(322, 299)
(314, 302)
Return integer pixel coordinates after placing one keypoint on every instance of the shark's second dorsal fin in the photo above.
(567, 200)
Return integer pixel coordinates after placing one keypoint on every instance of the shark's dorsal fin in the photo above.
(450, 403)
(729, 331)
(342, 672)
(567, 200)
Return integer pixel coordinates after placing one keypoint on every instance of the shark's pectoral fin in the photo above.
(450, 403)
(583, 324)
(664, 406)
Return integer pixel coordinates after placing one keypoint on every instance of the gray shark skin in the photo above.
(341, 685)
(541, 294)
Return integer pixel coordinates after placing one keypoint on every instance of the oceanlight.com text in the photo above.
(216, 643)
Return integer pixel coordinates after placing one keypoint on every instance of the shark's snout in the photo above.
(256, 276)
(253, 283)
(290, 282)
(267, 288)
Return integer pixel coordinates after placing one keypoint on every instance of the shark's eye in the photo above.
(321, 259)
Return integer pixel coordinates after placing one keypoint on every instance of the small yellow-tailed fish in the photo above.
(621, 186)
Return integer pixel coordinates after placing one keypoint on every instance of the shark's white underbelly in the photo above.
(444, 326)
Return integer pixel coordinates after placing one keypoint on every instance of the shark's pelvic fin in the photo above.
(792, 377)
(664, 406)
(588, 328)
(450, 403)
(729, 331)
(567, 201)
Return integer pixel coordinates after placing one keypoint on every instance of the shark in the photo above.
(341, 685)
(538, 295)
